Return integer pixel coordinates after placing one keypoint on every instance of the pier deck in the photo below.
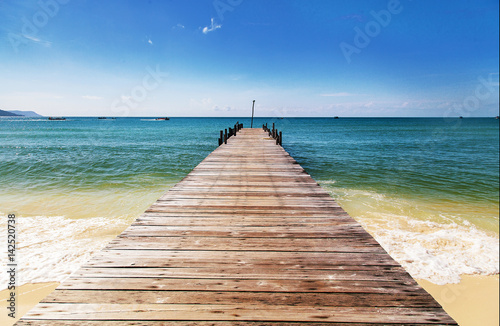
(247, 238)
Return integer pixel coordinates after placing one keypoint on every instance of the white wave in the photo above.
(49, 249)
(436, 252)
(430, 245)
(327, 182)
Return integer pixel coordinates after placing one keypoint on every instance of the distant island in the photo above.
(17, 113)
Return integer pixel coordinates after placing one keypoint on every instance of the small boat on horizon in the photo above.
(166, 118)
(57, 118)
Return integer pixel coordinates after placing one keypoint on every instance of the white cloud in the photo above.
(212, 28)
(179, 26)
(150, 42)
(37, 40)
(91, 97)
(203, 103)
(225, 109)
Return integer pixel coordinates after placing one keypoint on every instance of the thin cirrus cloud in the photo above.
(213, 27)
(37, 40)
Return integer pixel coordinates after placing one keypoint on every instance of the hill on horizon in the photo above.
(8, 114)
(31, 114)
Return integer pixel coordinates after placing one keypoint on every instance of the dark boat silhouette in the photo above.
(56, 118)
(166, 118)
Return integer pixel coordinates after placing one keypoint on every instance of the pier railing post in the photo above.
(281, 139)
(229, 132)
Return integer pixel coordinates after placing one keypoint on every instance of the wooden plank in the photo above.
(35, 322)
(247, 298)
(243, 221)
(158, 231)
(179, 312)
(242, 285)
(246, 244)
(349, 273)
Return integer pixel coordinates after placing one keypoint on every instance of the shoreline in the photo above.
(472, 302)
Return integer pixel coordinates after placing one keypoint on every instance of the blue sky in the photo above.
(212, 58)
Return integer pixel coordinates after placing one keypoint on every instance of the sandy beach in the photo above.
(28, 295)
(472, 302)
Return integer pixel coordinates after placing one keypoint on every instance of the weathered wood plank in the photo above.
(247, 298)
(243, 221)
(353, 273)
(243, 285)
(246, 244)
(179, 312)
(34, 322)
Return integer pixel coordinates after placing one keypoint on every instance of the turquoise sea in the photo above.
(427, 189)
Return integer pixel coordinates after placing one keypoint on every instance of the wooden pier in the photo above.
(247, 238)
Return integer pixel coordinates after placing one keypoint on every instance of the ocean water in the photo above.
(426, 189)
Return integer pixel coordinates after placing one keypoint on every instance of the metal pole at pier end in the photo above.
(253, 106)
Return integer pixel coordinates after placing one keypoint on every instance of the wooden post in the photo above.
(225, 136)
(281, 139)
(235, 129)
(221, 139)
(253, 106)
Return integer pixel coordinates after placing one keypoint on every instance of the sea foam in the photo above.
(49, 249)
(438, 247)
